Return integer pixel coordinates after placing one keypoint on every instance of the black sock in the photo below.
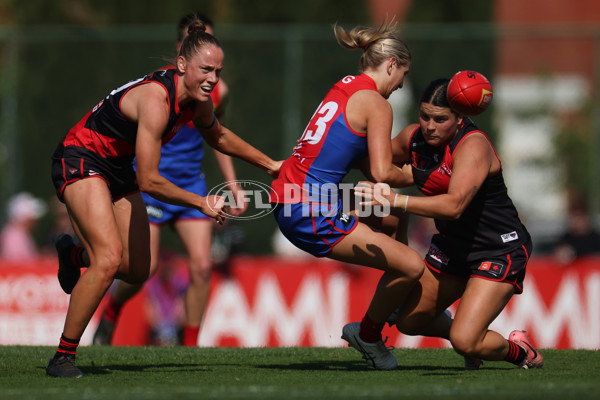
(67, 347)
(516, 354)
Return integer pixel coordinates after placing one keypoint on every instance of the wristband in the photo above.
(405, 203)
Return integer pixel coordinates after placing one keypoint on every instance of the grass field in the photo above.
(290, 373)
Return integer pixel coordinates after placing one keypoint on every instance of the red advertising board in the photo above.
(269, 301)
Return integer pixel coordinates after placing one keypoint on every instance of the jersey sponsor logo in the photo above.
(438, 255)
(509, 237)
(492, 268)
(485, 266)
(154, 212)
(444, 169)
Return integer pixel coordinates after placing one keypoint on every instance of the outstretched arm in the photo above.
(225, 164)
(224, 140)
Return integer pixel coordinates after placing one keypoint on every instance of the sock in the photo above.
(67, 347)
(370, 331)
(190, 335)
(112, 310)
(516, 354)
(77, 256)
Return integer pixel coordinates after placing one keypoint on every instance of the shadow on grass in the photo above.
(359, 365)
(317, 365)
(171, 367)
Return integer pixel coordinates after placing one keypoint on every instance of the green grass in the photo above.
(290, 373)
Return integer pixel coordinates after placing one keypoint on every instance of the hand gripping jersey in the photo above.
(105, 130)
(327, 150)
(490, 224)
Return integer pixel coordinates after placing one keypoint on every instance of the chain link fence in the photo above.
(277, 74)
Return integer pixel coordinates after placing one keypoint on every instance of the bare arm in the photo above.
(474, 161)
(147, 104)
(369, 113)
(400, 152)
(224, 140)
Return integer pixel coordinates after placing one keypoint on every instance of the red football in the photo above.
(469, 93)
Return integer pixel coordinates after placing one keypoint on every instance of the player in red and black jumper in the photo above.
(181, 163)
(481, 251)
(93, 173)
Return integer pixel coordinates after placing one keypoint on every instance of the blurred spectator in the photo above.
(580, 237)
(16, 239)
(61, 223)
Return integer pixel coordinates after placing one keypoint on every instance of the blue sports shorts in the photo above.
(161, 213)
(314, 228)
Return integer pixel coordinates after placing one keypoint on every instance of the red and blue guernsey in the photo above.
(327, 150)
(307, 195)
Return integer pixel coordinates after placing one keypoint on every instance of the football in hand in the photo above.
(469, 93)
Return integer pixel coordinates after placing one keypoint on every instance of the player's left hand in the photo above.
(374, 194)
(213, 206)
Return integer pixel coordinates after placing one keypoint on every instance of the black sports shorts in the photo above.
(509, 267)
(72, 163)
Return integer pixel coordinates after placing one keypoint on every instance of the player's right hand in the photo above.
(274, 170)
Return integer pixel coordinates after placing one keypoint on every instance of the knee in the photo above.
(412, 325)
(415, 268)
(107, 260)
(200, 270)
(410, 267)
(464, 345)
